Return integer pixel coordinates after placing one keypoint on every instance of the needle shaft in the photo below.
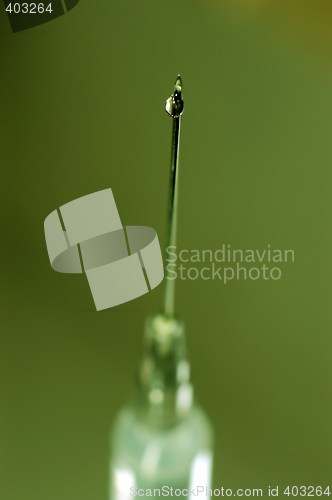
(174, 107)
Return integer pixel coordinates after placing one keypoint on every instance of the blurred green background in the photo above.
(82, 110)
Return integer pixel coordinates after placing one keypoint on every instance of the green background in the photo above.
(82, 109)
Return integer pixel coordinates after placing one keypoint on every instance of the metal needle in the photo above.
(174, 107)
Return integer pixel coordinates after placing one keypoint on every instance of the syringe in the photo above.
(163, 439)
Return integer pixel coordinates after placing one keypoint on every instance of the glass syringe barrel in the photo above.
(163, 438)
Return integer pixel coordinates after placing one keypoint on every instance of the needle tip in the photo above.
(174, 104)
(178, 84)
